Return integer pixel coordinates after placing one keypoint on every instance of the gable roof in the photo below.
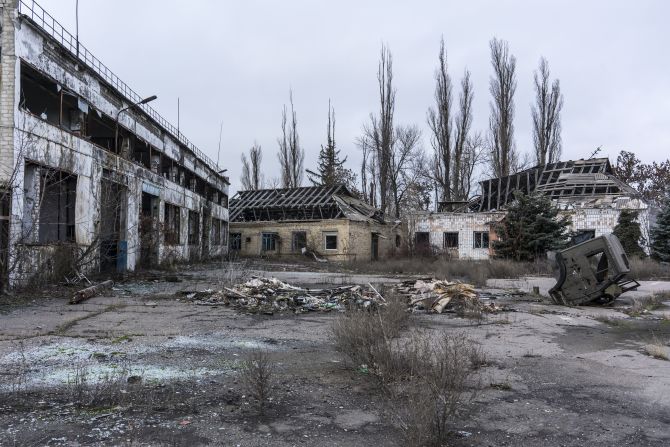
(303, 203)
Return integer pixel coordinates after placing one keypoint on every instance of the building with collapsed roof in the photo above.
(587, 191)
(328, 222)
(91, 177)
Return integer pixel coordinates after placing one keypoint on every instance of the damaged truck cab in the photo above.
(593, 272)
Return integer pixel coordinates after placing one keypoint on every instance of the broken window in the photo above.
(172, 218)
(224, 232)
(330, 241)
(193, 227)
(40, 95)
(58, 193)
(398, 240)
(582, 236)
(298, 241)
(450, 240)
(481, 239)
(236, 241)
(269, 242)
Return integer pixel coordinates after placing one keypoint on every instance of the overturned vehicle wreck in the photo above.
(593, 272)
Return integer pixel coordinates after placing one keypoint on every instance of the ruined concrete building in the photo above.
(585, 190)
(92, 178)
(327, 221)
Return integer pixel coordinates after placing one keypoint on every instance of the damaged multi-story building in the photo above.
(328, 222)
(93, 178)
(587, 191)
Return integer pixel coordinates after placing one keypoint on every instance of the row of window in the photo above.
(269, 241)
(44, 98)
(171, 231)
(480, 239)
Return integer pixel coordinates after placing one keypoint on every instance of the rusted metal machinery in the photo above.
(593, 272)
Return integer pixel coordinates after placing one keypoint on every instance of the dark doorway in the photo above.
(422, 243)
(5, 208)
(148, 230)
(374, 249)
(113, 207)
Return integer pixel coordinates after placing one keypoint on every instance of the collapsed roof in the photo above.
(587, 181)
(304, 203)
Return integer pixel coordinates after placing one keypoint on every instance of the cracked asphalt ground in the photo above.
(555, 376)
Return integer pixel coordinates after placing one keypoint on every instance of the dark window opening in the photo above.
(398, 240)
(330, 241)
(582, 236)
(450, 240)
(236, 241)
(193, 227)
(216, 231)
(57, 206)
(481, 239)
(269, 242)
(172, 224)
(40, 96)
(299, 241)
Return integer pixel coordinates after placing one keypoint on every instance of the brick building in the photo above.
(587, 191)
(92, 178)
(327, 221)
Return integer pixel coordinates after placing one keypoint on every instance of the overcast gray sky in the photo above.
(234, 62)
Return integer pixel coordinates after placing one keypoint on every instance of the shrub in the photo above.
(258, 377)
(425, 377)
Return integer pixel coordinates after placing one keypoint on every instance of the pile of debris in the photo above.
(442, 296)
(270, 295)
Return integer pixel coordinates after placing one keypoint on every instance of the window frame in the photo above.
(268, 237)
(447, 235)
(481, 240)
(327, 235)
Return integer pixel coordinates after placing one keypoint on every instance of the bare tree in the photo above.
(467, 148)
(291, 156)
(546, 116)
(406, 162)
(378, 135)
(503, 156)
(252, 178)
(440, 123)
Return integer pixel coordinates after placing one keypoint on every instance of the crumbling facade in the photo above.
(587, 191)
(93, 179)
(327, 222)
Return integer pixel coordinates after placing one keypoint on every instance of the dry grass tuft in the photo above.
(642, 269)
(473, 272)
(657, 351)
(426, 378)
(644, 305)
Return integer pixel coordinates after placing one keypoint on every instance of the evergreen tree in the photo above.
(531, 227)
(660, 234)
(628, 231)
(330, 170)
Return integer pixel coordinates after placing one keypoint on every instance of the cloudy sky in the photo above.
(234, 62)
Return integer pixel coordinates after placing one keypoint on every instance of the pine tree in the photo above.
(330, 169)
(660, 234)
(628, 231)
(531, 227)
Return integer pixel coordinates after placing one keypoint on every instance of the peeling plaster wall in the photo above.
(354, 239)
(602, 220)
(436, 224)
(36, 141)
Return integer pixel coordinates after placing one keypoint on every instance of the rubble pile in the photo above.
(442, 296)
(270, 295)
